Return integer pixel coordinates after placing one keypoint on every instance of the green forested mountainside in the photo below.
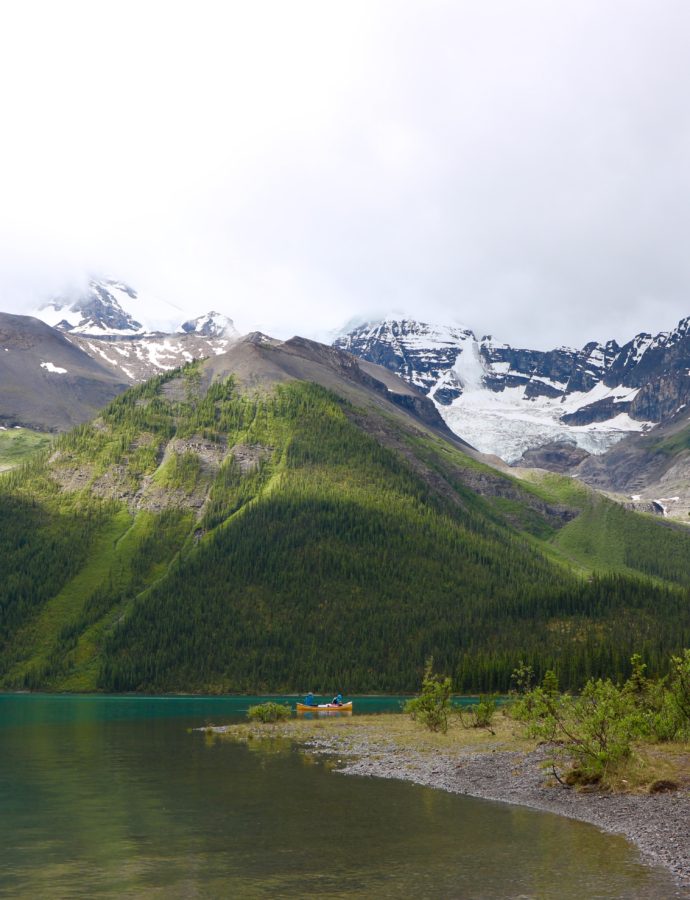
(206, 537)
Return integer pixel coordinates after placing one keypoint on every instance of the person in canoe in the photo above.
(337, 700)
(309, 700)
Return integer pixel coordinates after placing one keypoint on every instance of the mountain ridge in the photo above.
(562, 409)
(108, 307)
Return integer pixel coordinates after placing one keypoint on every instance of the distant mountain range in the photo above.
(111, 308)
(614, 416)
(507, 400)
(59, 366)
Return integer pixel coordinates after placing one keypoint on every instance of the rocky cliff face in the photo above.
(418, 352)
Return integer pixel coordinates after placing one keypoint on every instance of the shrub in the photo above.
(665, 719)
(679, 683)
(480, 714)
(549, 683)
(433, 705)
(604, 725)
(594, 730)
(269, 712)
(664, 705)
(638, 684)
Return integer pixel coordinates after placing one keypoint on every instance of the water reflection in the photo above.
(133, 805)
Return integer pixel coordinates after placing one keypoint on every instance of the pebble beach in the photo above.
(658, 824)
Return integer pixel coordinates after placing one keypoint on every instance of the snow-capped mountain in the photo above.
(213, 324)
(135, 336)
(105, 308)
(507, 401)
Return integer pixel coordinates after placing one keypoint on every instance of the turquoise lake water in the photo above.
(115, 797)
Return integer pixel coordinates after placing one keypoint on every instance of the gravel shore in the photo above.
(658, 824)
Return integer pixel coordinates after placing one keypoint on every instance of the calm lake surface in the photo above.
(113, 796)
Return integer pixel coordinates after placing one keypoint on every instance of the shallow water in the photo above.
(105, 796)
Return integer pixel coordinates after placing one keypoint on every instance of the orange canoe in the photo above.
(325, 707)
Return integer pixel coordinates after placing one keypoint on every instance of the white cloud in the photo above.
(521, 168)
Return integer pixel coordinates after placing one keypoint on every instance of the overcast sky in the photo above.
(519, 167)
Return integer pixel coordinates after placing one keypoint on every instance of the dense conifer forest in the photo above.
(203, 537)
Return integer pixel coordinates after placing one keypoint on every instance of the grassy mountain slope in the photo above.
(19, 444)
(606, 537)
(277, 519)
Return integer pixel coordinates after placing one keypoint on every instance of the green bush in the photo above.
(480, 715)
(661, 715)
(679, 682)
(593, 731)
(596, 729)
(269, 712)
(549, 683)
(433, 705)
(667, 701)
(665, 719)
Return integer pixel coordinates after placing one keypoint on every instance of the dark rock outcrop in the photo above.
(558, 456)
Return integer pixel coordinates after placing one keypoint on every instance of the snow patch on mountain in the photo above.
(51, 367)
(505, 425)
(97, 350)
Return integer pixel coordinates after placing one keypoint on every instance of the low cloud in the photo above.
(517, 168)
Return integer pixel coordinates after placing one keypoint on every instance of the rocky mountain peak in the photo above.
(419, 351)
(212, 324)
(135, 336)
(681, 330)
(97, 311)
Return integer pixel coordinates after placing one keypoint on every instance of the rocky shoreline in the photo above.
(658, 824)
